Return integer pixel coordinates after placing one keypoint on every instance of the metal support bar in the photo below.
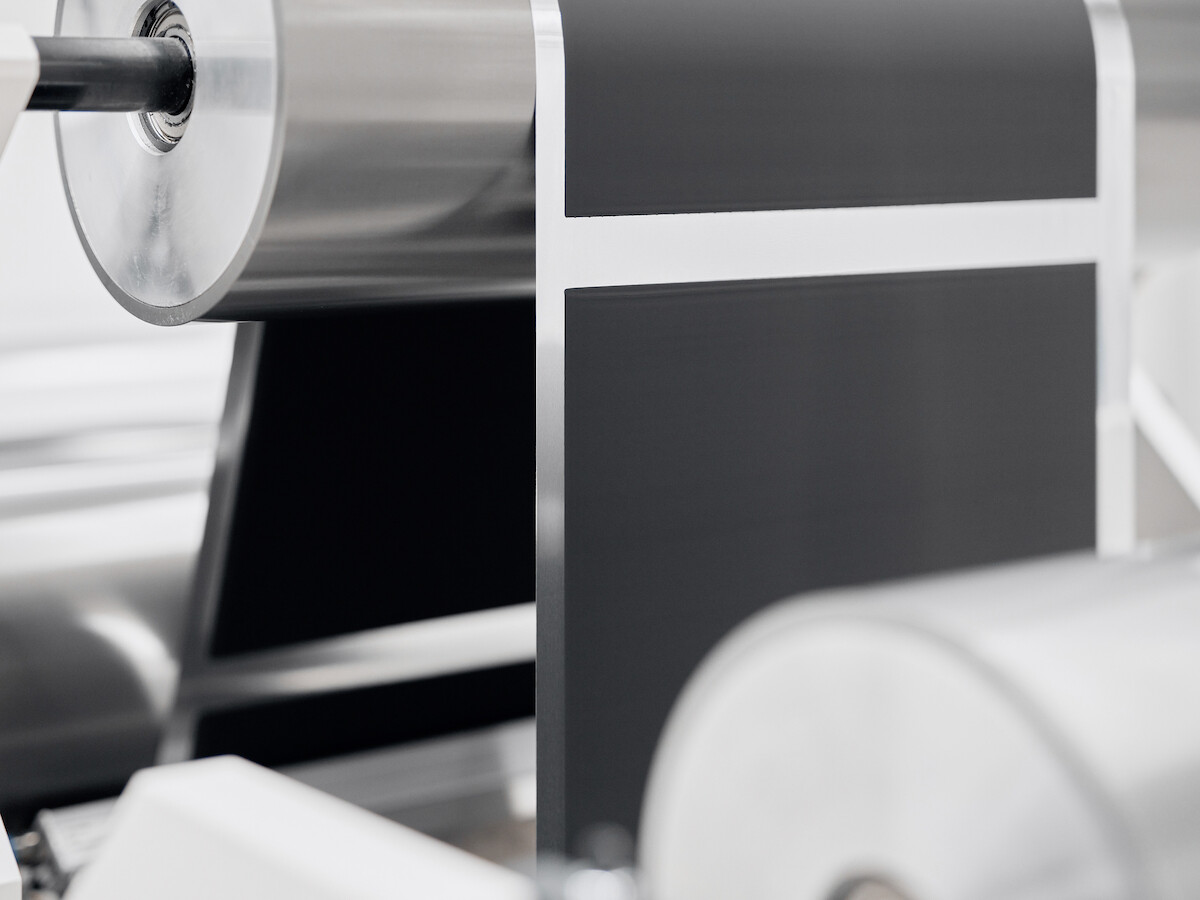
(132, 74)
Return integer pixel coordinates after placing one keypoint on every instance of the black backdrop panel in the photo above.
(387, 475)
(707, 105)
(729, 445)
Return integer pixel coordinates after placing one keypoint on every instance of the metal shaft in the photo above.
(132, 74)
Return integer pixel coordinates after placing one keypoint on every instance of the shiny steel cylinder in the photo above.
(337, 152)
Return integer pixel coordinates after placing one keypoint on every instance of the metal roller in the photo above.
(1024, 733)
(334, 152)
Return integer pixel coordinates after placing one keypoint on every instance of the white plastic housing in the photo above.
(227, 828)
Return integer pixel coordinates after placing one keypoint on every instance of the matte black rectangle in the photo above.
(708, 105)
(387, 475)
(730, 445)
(316, 727)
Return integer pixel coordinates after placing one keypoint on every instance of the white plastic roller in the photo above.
(1019, 733)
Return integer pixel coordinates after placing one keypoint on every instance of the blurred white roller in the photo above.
(1018, 733)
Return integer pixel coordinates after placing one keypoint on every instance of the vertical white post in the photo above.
(1116, 463)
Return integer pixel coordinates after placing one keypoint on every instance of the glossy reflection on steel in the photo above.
(337, 152)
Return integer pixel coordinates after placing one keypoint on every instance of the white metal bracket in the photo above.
(19, 69)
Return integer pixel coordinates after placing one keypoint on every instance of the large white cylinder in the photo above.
(1025, 732)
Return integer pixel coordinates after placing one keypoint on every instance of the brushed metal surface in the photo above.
(1166, 49)
(87, 659)
(106, 450)
(337, 152)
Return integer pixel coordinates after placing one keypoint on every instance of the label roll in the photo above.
(1025, 732)
(334, 153)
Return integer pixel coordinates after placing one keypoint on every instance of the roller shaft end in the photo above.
(132, 74)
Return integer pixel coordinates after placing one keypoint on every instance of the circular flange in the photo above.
(164, 19)
(171, 209)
